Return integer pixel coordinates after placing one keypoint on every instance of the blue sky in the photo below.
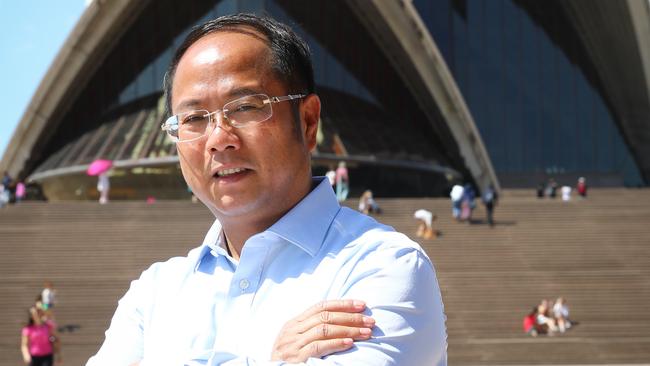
(32, 33)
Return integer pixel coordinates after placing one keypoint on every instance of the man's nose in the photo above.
(222, 135)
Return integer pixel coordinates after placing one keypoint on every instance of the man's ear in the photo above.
(310, 116)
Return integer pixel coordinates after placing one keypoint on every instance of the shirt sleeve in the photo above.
(399, 286)
(401, 291)
(124, 340)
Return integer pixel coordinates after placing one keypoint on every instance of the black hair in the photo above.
(291, 58)
(30, 319)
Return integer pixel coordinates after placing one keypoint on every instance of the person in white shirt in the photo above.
(48, 295)
(425, 227)
(4, 195)
(285, 275)
(566, 193)
(561, 314)
(103, 186)
(456, 196)
(331, 176)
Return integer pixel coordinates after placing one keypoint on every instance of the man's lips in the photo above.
(228, 171)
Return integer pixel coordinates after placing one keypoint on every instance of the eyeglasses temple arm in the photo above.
(286, 97)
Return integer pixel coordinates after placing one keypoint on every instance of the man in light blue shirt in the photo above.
(285, 275)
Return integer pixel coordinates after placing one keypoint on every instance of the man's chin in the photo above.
(230, 207)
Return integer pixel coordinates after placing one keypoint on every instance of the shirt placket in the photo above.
(243, 288)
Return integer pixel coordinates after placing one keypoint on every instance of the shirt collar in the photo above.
(211, 244)
(305, 225)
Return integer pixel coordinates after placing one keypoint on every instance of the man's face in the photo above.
(267, 165)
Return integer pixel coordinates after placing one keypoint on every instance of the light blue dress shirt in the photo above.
(208, 309)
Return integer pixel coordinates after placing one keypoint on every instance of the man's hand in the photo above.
(325, 328)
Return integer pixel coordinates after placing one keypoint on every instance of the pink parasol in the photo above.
(98, 167)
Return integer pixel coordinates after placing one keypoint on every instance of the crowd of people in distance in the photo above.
(550, 189)
(547, 319)
(339, 179)
(11, 191)
(425, 218)
(463, 202)
(40, 344)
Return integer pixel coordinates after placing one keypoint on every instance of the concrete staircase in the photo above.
(91, 253)
(594, 252)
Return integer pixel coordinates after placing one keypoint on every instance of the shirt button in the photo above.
(243, 284)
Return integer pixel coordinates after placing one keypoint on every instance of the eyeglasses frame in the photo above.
(167, 125)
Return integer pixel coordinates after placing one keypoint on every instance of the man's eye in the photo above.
(246, 107)
(195, 118)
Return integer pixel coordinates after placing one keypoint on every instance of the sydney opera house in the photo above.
(417, 94)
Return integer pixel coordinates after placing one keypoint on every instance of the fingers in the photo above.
(325, 328)
(326, 347)
(329, 331)
(334, 312)
(316, 349)
(335, 318)
(348, 306)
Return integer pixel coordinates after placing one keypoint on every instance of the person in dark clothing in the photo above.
(468, 205)
(551, 188)
(489, 199)
(6, 180)
(540, 190)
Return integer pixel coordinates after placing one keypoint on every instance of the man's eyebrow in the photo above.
(243, 91)
(187, 104)
(230, 95)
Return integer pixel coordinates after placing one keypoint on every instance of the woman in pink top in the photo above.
(37, 341)
(342, 182)
(20, 191)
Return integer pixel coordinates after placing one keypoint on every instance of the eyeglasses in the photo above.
(241, 112)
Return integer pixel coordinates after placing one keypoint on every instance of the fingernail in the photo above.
(348, 341)
(368, 320)
(365, 331)
(358, 304)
